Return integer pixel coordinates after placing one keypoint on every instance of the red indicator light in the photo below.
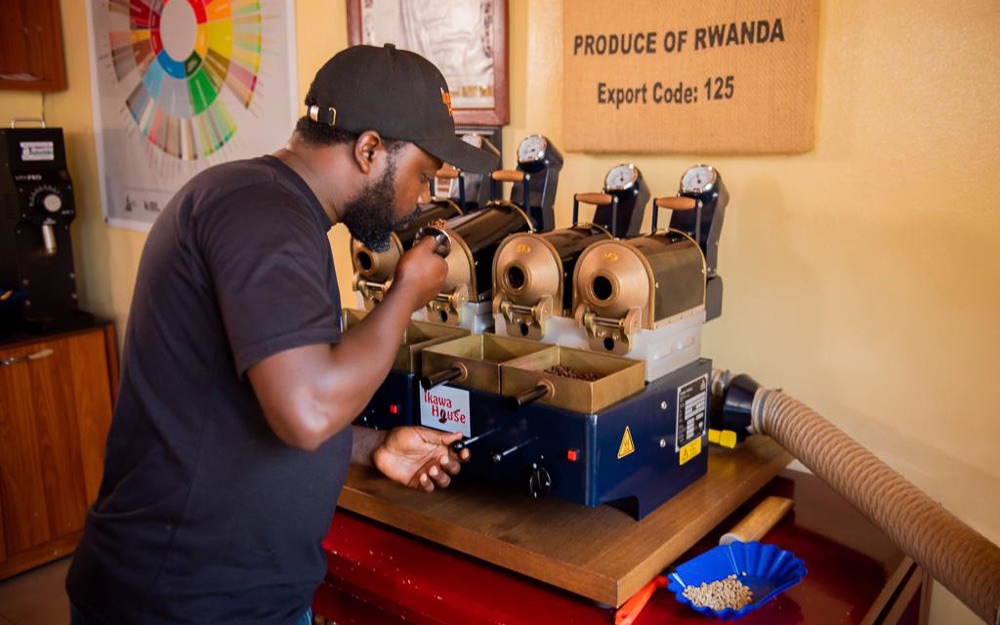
(393, 408)
(571, 454)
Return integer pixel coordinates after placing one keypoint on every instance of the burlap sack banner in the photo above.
(705, 76)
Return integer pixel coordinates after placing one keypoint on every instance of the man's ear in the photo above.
(366, 148)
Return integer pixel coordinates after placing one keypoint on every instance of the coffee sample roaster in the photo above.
(647, 297)
(592, 388)
(37, 279)
(533, 272)
(699, 209)
(644, 298)
(466, 297)
(619, 416)
(373, 271)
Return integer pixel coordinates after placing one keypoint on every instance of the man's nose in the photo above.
(425, 196)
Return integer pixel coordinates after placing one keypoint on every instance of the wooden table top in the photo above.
(599, 553)
(379, 575)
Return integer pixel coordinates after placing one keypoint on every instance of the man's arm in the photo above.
(366, 440)
(310, 393)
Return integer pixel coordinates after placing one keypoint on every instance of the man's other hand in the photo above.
(419, 457)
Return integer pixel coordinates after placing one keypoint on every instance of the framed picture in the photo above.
(466, 39)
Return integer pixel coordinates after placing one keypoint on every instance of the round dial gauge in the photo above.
(698, 179)
(532, 149)
(621, 177)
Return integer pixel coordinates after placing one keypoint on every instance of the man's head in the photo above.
(371, 215)
(393, 109)
(397, 93)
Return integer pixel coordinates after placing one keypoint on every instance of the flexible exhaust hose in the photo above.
(959, 557)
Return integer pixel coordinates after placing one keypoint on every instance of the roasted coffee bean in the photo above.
(569, 372)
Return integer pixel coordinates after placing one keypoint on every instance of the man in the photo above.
(231, 436)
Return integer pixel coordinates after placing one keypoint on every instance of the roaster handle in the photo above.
(544, 389)
(428, 382)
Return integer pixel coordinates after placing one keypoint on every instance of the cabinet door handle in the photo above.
(43, 353)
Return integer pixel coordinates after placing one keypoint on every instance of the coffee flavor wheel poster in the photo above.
(179, 85)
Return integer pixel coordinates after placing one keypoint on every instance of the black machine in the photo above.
(702, 218)
(470, 191)
(541, 162)
(37, 280)
(624, 218)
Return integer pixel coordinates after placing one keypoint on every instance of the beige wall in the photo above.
(862, 277)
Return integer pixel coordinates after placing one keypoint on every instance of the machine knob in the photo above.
(52, 202)
(539, 482)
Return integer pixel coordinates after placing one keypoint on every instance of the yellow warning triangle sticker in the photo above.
(627, 446)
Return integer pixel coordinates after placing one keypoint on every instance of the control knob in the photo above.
(539, 481)
(52, 202)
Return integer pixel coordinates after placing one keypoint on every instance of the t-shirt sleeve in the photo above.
(271, 267)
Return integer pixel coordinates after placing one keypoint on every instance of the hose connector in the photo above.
(731, 409)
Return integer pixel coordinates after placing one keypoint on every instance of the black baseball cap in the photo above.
(397, 93)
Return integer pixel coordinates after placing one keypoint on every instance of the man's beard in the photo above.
(370, 217)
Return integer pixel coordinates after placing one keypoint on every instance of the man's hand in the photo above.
(419, 457)
(419, 274)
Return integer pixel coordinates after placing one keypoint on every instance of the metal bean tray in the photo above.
(473, 362)
(531, 378)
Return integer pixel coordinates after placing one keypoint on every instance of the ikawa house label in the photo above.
(705, 77)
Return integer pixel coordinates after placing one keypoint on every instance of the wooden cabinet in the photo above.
(31, 46)
(56, 394)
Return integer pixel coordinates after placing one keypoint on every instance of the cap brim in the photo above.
(461, 155)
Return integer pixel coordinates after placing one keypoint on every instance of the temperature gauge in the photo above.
(532, 149)
(698, 179)
(626, 183)
(541, 162)
(621, 177)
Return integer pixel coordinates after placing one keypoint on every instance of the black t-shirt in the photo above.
(204, 515)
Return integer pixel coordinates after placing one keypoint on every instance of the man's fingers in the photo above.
(425, 483)
(428, 242)
(450, 437)
(450, 465)
(441, 478)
